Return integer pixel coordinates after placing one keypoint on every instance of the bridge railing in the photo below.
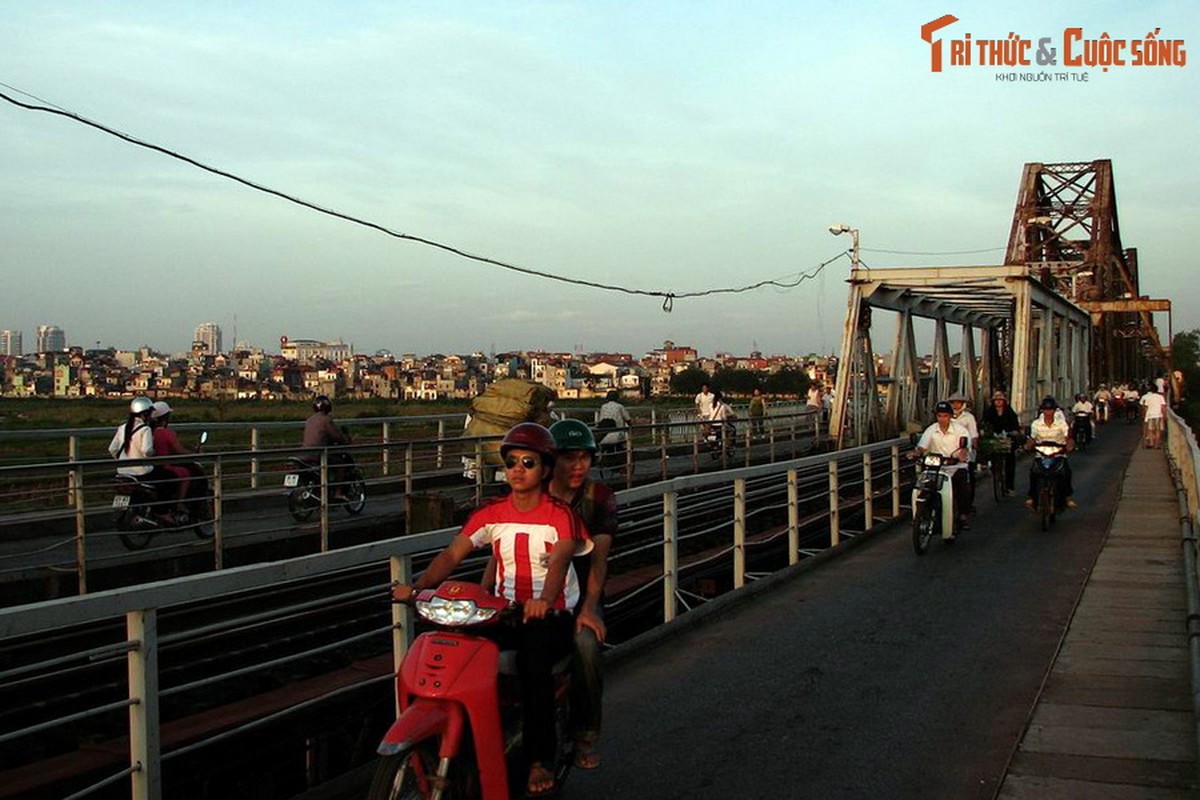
(139, 660)
(41, 535)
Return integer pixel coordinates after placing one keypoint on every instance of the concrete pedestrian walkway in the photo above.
(1114, 720)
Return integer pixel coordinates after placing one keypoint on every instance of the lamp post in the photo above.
(1076, 275)
(841, 228)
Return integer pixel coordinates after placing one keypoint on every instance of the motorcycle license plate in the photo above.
(121, 501)
(291, 479)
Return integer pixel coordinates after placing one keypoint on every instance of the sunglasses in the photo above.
(528, 462)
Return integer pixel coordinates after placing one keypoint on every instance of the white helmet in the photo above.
(161, 409)
(140, 405)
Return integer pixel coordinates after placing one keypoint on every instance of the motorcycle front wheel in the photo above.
(923, 527)
(408, 777)
(356, 493)
(1046, 506)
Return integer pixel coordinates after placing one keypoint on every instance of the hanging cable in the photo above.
(668, 296)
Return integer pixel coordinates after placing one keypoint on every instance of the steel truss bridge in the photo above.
(1064, 312)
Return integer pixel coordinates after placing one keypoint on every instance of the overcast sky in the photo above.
(666, 146)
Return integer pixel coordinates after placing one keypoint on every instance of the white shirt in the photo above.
(141, 445)
(1082, 406)
(1057, 431)
(946, 443)
(1154, 403)
(704, 405)
(967, 420)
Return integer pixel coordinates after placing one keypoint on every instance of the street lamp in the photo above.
(841, 228)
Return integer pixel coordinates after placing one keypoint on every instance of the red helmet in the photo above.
(530, 436)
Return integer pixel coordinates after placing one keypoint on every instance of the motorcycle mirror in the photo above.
(203, 437)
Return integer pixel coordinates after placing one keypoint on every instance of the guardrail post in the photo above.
(80, 530)
(629, 457)
(218, 533)
(441, 448)
(387, 438)
(771, 439)
(478, 471)
(835, 525)
(670, 553)
(254, 461)
(868, 493)
(895, 481)
(141, 628)
(663, 444)
(402, 616)
(408, 487)
(793, 494)
(325, 500)
(739, 533)
(696, 450)
(72, 456)
(749, 439)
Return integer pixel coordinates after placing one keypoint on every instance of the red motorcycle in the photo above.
(459, 730)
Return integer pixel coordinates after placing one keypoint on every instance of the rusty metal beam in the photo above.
(1141, 304)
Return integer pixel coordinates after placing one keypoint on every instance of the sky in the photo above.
(666, 147)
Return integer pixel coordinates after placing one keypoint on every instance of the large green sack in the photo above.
(504, 404)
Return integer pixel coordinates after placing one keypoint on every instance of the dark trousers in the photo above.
(960, 487)
(1067, 485)
(587, 685)
(540, 643)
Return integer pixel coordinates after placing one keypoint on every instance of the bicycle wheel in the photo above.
(998, 466)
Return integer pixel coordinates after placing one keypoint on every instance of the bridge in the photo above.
(774, 633)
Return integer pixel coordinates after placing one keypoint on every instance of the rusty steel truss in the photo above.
(1062, 312)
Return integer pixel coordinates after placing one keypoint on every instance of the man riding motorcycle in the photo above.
(1050, 426)
(946, 437)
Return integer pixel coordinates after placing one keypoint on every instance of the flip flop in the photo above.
(540, 776)
(586, 757)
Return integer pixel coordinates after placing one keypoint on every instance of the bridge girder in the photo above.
(1045, 335)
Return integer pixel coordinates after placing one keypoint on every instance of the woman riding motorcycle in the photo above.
(135, 440)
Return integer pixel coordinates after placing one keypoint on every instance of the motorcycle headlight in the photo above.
(932, 461)
(1048, 450)
(443, 611)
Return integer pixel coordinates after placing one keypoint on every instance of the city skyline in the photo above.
(672, 149)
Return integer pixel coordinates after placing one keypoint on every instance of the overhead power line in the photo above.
(668, 297)
(932, 252)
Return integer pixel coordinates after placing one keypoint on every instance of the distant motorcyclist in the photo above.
(1050, 426)
(320, 431)
(135, 440)
(947, 438)
(966, 418)
(1082, 412)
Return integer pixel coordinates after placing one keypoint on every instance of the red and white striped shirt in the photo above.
(521, 542)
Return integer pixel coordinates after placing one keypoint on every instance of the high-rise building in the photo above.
(208, 335)
(51, 339)
(10, 343)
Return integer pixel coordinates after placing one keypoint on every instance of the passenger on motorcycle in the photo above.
(946, 437)
(1050, 426)
(999, 418)
(166, 443)
(722, 418)
(966, 418)
(134, 440)
(597, 507)
(533, 538)
(319, 431)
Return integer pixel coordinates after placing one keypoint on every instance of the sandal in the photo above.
(586, 756)
(541, 781)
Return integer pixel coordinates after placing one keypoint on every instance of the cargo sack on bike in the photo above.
(502, 405)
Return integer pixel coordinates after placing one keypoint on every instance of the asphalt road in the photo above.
(879, 674)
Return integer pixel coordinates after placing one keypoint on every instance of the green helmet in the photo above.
(571, 434)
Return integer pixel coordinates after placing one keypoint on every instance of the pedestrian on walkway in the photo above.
(1152, 403)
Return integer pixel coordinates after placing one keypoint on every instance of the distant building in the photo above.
(307, 351)
(10, 343)
(208, 336)
(51, 339)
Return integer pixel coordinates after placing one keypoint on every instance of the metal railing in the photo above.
(40, 536)
(136, 649)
